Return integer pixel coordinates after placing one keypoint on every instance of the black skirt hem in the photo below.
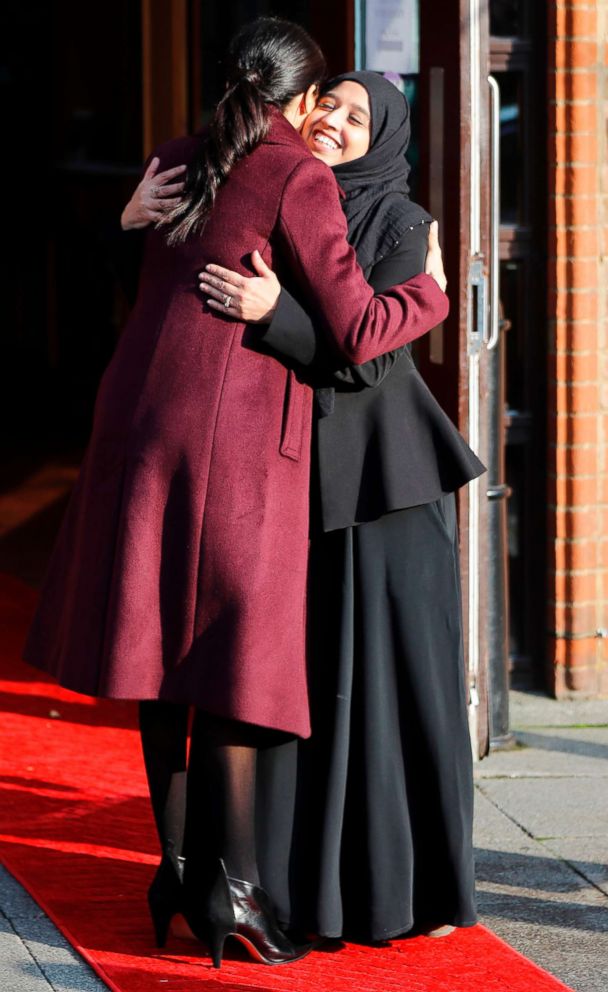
(373, 939)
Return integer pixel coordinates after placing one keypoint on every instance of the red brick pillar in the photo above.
(578, 353)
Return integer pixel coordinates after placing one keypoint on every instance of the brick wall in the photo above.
(578, 348)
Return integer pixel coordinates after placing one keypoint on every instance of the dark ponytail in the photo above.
(270, 62)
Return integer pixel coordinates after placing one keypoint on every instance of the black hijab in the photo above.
(377, 205)
(376, 202)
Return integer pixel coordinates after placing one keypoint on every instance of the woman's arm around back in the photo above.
(311, 231)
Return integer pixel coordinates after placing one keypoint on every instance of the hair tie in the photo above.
(252, 76)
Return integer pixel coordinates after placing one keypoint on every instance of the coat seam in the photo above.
(195, 612)
(296, 168)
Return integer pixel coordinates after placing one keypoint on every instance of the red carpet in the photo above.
(75, 829)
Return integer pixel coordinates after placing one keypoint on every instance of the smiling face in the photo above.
(339, 128)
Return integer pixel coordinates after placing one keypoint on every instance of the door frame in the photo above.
(165, 71)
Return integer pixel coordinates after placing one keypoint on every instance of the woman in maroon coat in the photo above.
(180, 570)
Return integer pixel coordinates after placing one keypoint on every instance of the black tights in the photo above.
(213, 815)
(164, 737)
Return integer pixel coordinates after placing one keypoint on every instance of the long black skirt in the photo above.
(364, 830)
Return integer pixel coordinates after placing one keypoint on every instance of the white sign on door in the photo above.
(392, 36)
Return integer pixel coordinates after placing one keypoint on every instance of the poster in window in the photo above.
(392, 36)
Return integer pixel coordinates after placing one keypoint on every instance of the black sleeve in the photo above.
(405, 261)
(291, 332)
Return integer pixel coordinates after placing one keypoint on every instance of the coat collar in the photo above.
(281, 132)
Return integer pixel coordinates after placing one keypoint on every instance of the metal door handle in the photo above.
(494, 213)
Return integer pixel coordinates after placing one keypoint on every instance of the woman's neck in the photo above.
(293, 113)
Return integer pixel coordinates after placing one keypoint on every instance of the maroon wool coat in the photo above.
(180, 570)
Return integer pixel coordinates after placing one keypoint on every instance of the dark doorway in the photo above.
(213, 24)
(518, 60)
(72, 92)
(73, 98)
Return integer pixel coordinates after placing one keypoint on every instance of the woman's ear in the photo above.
(309, 99)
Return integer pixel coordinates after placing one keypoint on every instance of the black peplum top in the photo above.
(383, 441)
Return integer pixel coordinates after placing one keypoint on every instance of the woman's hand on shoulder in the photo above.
(433, 265)
(154, 197)
(252, 300)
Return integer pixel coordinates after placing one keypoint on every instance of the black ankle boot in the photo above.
(235, 908)
(165, 895)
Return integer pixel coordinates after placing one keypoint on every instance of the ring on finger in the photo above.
(227, 300)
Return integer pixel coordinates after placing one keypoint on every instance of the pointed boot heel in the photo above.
(235, 908)
(216, 938)
(257, 927)
(161, 920)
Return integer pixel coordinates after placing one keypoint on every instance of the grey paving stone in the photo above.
(533, 709)
(493, 830)
(37, 952)
(551, 752)
(15, 902)
(534, 873)
(538, 903)
(588, 855)
(63, 967)
(569, 742)
(18, 970)
(553, 807)
(542, 896)
(578, 958)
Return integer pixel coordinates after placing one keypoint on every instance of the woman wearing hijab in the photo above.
(373, 814)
